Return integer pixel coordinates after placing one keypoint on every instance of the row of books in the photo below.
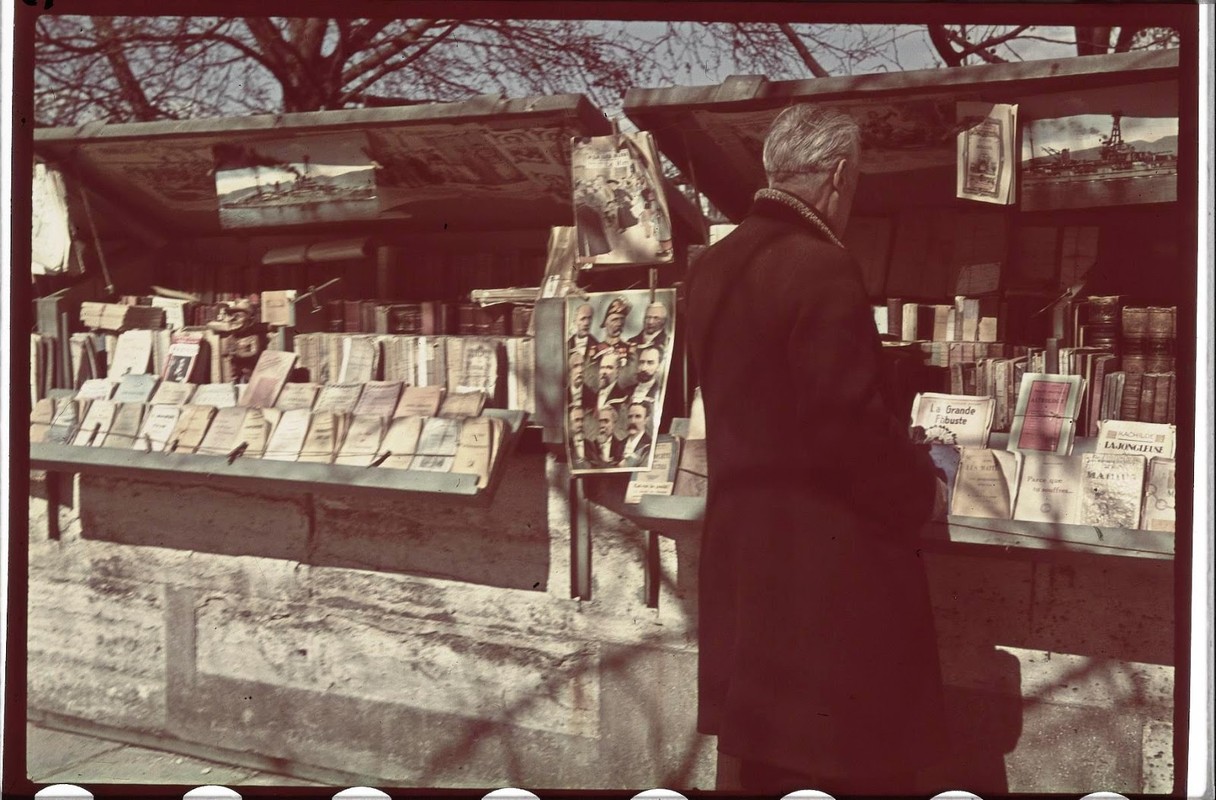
(460, 443)
(1104, 489)
(1147, 396)
(120, 316)
(1116, 386)
(968, 319)
(1106, 393)
(431, 318)
(491, 315)
(504, 367)
(1108, 321)
(198, 354)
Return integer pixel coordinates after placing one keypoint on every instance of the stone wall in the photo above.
(409, 642)
(421, 642)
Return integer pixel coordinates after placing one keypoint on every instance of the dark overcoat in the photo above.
(817, 645)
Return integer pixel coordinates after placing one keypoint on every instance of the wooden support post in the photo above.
(54, 481)
(653, 569)
(580, 541)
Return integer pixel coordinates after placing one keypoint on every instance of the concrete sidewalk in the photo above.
(54, 756)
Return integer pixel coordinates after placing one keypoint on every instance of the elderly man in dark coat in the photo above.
(818, 658)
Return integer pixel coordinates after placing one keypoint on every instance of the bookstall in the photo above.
(239, 360)
(994, 279)
(522, 589)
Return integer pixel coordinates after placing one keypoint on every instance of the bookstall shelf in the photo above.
(681, 517)
(248, 474)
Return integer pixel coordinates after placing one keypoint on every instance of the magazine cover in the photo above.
(618, 359)
(620, 210)
(985, 153)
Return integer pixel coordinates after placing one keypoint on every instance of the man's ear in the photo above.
(839, 175)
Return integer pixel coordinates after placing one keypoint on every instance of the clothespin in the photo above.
(147, 443)
(93, 435)
(173, 445)
(312, 293)
(380, 459)
(238, 451)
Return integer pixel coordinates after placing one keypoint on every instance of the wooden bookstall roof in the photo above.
(484, 163)
(715, 134)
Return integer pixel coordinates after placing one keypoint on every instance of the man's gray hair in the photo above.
(807, 139)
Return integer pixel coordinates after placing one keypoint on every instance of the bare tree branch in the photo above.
(152, 67)
(387, 67)
(803, 51)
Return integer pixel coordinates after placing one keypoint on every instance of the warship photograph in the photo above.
(1070, 162)
(279, 184)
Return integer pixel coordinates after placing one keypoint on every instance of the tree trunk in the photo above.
(1093, 40)
(941, 43)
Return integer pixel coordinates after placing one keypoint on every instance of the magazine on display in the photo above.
(1049, 488)
(621, 215)
(1045, 418)
(986, 483)
(661, 478)
(1112, 489)
(986, 160)
(1151, 439)
(961, 420)
(268, 378)
(401, 441)
(192, 425)
(1158, 512)
(618, 352)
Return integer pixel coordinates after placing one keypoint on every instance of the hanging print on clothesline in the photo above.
(620, 210)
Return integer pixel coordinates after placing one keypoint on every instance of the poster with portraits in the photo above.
(621, 214)
(618, 357)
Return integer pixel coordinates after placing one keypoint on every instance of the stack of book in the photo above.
(1126, 355)
(941, 330)
(476, 319)
(504, 367)
(425, 319)
(1097, 323)
(1140, 396)
(968, 319)
(1148, 337)
(120, 316)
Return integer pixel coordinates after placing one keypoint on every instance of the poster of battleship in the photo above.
(1092, 160)
(298, 181)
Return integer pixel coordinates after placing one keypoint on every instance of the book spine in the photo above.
(1171, 410)
(1161, 399)
(1148, 397)
(1129, 408)
(895, 316)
